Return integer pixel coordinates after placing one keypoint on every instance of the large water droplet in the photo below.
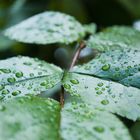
(19, 74)
(5, 91)
(11, 80)
(15, 93)
(74, 81)
(106, 67)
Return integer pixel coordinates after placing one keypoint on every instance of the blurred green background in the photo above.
(102, 12)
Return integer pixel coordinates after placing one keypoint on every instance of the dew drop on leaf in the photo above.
(5, 70)
(67, 86)
(99, 129)
(15, 93)
(106, 67)
(1, 87)
(105, 102)
(5, 91)
(100, 84)
(74, 81)
(19, 74)
(11, 80)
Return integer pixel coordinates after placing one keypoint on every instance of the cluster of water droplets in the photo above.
(115, 37)
(24, 75)
(79, 121)
(104, 94)
(46, 28)
(121, 65)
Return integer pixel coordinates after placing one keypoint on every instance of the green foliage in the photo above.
(29, 118)
(115, 37)
(20, 76)
(47, 28)
(78, 122)
(121, 65)
(105, 85)
(103, 94)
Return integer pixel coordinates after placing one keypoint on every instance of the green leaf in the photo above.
(118, 65)
(47, 28)
(104, 95)
(29, 118)
(20, 76)
(90, 28)
(79, 122)
(115, 37)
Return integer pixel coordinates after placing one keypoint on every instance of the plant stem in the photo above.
(62, 97)
(76, 55)
(74, 60)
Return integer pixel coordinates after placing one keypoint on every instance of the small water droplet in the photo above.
(67, 86)
(99, 129)
(105, 102)
(1, 87)
(99, 92)
(100, 84)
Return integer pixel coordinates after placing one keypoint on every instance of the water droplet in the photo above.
(19, 74)
(43, 83)
(31, 75)
(105, 102)
(100, 84)
(5, 91)
(99, 92)
(1, 97)
(5, 70)
(1, 87)
(99, 129)
(67, 86)
(106, 67)
(11, 80)
(27, 63)
(15, 93)
(97, 88)
(74, 81)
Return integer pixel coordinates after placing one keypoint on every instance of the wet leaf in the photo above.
(115, 37)
(118, 65)
(20, 76)
(103, 94)
(79, 122)
(46, 28)
(29, 118)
